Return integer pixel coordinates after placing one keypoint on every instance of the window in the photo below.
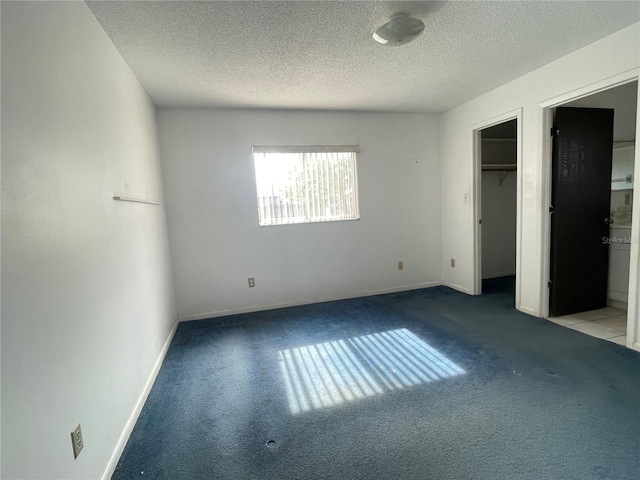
(306, 184)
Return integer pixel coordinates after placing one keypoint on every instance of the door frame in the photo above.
(546, 115)
(476, 130)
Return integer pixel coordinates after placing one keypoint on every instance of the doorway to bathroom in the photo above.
(595, 302)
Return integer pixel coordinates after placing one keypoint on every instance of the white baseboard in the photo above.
(128, 428)
(527, 310)
(273, 306)
(620, 296)
(617, 303)
(636, 346)
(458, 288)
(498, 275)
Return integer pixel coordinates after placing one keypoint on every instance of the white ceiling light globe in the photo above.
(399, 30)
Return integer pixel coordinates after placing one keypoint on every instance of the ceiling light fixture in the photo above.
(400, 29)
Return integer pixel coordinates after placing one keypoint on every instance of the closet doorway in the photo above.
(496, 203)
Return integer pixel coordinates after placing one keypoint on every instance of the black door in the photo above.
(580, 199)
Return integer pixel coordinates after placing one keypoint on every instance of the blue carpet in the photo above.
(427, 384)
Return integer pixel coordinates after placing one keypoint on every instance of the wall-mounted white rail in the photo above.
(136, 200)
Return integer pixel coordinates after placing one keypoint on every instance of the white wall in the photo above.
(498, 224)
(616, 55)
(87, 300)
(212, 208)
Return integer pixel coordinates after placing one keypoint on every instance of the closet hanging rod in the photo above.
(133, 199)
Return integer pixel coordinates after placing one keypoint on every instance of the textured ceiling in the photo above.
(320, 54)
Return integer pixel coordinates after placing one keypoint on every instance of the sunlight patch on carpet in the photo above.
(332, 373)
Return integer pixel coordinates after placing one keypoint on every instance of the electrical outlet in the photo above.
(76, 440)
(453, 263)
(252, 282)
(627, 199)
(400, 265)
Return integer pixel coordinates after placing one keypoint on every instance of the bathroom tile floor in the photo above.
(608, 323)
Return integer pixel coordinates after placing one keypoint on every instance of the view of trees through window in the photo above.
(306, 187)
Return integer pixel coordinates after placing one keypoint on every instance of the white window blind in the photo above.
(303, 184)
